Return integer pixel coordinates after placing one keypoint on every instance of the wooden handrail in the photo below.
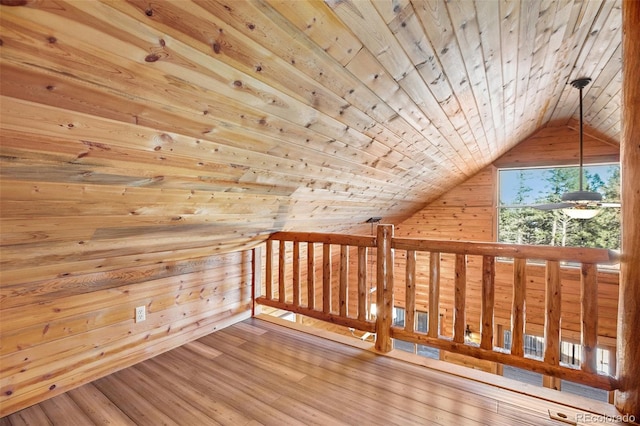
(316, 237)
(381, 322)
(567, 254)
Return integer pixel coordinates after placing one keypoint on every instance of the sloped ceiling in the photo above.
(191, 123)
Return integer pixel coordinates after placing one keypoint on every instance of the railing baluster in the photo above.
(552, 313)
(311, 276)
(589, 313)
(344, 280)
(518, 311)
(487, 302)
(491, 332)
(499, 343)
(296, 273)
(281, 270)
(460, 290)
(362, 283)
(410, 295)
(434, 294)
(268, 280)
(326, 278)
(256, 278)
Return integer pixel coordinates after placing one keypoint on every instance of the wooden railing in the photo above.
(381, 324)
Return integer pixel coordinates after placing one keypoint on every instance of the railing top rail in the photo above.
(317, 237)
(569, 254)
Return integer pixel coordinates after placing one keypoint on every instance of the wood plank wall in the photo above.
(84, 242)
(61, 332)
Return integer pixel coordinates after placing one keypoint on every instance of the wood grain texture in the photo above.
(460, 298)
(78, 332)
(143, 144)
(434, 294)
(271, 374)
(628, 400)
(589, 316)
(384, 288)
(488, 302)
(518, 310)
(552, 306)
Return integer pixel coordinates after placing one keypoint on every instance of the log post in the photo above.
(384, 289)
(628, 396)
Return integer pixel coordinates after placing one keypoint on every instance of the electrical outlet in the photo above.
(141, 314)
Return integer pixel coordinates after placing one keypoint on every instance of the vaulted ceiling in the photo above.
(246, 117)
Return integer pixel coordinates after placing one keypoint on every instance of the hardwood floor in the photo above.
(258, 372)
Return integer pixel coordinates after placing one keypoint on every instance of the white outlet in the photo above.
(141, 314)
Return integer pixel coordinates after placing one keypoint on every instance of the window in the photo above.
(570, 353)
(398, 317)
(603, 356)
(422, 321)
(421, 325)
(521, 224)
(533, 345)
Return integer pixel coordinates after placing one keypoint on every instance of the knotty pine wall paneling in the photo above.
(61, 332)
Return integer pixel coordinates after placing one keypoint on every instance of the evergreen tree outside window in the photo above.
(519, 223)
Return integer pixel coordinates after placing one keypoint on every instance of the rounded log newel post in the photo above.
(627, 399)
(384, 288)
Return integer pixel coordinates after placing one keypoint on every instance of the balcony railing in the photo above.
(288, 295)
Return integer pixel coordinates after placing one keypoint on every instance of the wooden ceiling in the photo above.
(183, 122)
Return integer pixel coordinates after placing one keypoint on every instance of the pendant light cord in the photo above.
(581, 142)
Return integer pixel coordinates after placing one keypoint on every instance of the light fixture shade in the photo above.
(575, 213)
(584, 196)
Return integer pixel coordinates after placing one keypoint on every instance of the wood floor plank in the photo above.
(202, 349)
(205, 402)
(139, 409)
(238, 394)
(33, 415)
(269, 364)
(308, 414)
(164, 399)
(334, 377)
(61, 410)
(333, 368)
(98, 407)
(258, 373)
(370, 388)
(250, 328)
